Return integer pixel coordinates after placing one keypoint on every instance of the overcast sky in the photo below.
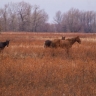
(52, 6)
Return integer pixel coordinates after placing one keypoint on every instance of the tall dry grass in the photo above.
(27, 69)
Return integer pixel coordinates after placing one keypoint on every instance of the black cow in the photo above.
(3, 44)
(47, 43)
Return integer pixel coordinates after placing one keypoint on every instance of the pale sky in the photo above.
(52, 6)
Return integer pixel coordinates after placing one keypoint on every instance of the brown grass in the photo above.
(27, 69)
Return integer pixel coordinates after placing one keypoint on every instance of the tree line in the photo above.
(23, 16)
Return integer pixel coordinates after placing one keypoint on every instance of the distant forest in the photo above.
(22, 17)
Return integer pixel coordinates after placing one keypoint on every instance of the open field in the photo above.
(28, 69)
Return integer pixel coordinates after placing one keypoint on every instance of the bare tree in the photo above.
(94, 22)
(38, 18)
(73, 21)
(12, 17)
(58, 20)
(88, 21)
(24, 12)
(24, 17)
(4, 17)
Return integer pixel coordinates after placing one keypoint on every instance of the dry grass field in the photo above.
(28, 69)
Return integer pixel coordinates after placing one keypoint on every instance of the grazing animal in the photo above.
(67, 44)
(63, 38)
(3, 44)
(47, 43)
(54, 43)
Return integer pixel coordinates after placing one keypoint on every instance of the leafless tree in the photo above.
(72, 20)
(57, 20)
(38, 18)
(22, 16)
(75, 21)
(4, 17)
(12, 17)
(23, 11)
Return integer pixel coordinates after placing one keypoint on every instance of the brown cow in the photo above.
(67, 44)
(53, 43)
